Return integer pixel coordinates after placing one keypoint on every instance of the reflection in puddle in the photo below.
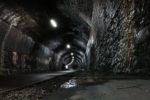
(70, 84)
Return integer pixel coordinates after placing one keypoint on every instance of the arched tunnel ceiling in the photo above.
(77, 54)
(67, 58)
(32, 21)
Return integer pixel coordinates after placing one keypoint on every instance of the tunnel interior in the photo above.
(74, 49)
(42, 36)
(102, 35)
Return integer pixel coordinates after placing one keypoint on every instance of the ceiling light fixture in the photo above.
(71, 53)
(68, 46)
(53, 23)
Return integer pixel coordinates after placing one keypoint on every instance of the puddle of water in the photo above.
(88, 81)
(70, 84)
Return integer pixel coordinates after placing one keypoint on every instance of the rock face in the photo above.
(115, 43)
(123, 37)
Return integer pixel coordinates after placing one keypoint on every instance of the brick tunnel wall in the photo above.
(123, 37)
(17, 30)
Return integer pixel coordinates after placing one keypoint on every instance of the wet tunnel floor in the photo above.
(87, 86)
(92, 87)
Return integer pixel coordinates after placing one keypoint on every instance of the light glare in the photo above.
(66, 67)
(72, 54)
(68, 46)
(53, 23)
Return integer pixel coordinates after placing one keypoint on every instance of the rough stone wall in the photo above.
(142, 44)
(16, 29)
(116, 45)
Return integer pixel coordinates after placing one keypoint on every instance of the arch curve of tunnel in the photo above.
(42, 39)
(67, 58)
